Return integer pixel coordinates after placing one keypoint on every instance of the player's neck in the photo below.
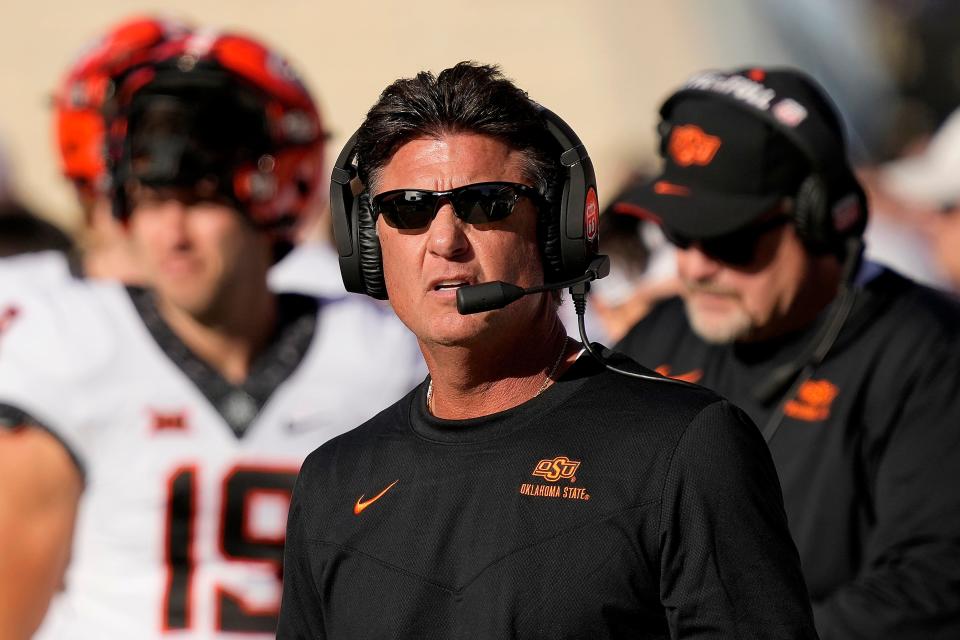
(229, 336)
(468, 382)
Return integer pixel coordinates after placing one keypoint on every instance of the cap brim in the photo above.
(691, 212)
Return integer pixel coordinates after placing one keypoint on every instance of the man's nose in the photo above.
(174, 215)
(448, 236)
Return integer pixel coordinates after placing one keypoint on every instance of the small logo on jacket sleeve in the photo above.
(813, 401)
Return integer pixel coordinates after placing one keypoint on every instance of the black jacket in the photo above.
(868, 452)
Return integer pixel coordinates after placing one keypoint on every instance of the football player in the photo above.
(168, 423)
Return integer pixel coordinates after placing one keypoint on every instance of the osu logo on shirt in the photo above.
(689, 144)
(559, 467)
(813, 401)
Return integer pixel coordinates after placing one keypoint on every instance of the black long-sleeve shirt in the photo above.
(868, 452)
(606, 507)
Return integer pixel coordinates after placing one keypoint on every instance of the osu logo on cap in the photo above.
(689, 144)
(559, 467)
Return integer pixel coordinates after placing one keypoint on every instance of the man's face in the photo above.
(726, 303)
(193, 251)
(422, 268)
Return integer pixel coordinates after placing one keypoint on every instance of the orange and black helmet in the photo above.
(223, 112)
(79, 99)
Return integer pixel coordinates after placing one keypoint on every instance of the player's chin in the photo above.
(195, 300)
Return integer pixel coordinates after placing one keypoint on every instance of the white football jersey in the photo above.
(188, 477)
(311, 268)
(30, 270)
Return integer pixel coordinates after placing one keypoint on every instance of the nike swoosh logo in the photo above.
(363, 504)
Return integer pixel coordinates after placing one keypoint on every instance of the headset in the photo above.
(830, 206)
(568, 236)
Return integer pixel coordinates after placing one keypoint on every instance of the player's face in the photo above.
(423, 268)
(726, 303)
(193, 251)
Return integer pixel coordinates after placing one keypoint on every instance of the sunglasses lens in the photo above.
(736, 249)
(408, 209)
(479, 204)
(474, 203)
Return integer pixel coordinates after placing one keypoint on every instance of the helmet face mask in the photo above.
(222, 108)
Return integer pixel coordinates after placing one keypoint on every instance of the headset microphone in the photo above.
(496, 295)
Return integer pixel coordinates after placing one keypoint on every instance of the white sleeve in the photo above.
(371, 344)
(50, 347)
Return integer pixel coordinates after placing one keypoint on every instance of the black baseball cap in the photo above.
(735, 145)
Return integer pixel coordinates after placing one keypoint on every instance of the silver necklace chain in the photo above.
(543, 387)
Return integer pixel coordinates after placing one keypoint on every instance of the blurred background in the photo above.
(892, 65)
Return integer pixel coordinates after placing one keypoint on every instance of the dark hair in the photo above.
(466, 98)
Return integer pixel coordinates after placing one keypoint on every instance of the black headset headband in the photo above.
(571, 238)
(345, 229)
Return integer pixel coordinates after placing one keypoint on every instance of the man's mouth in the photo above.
(449, 285)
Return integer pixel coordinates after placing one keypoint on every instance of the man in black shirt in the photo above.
(849, 369)
(522, 491)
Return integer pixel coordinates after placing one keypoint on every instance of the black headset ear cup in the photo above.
(812, 215)
(371, 260)
(548, 223)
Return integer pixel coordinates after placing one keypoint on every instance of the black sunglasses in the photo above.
(478, 203)
(738, 248)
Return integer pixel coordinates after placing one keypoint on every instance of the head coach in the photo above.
(849, 369)
(521, 491)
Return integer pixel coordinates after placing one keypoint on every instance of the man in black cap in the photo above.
(848, 368)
